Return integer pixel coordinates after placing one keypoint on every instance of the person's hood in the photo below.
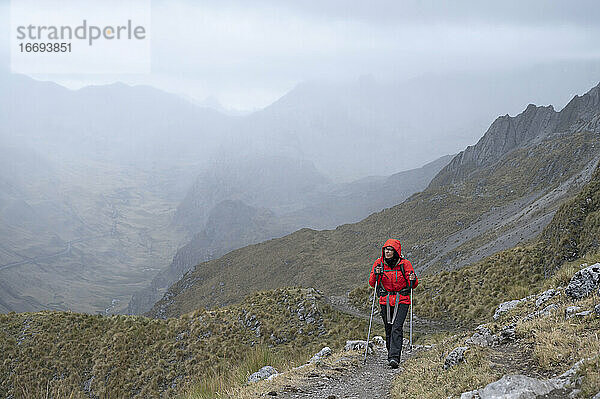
(392, 243)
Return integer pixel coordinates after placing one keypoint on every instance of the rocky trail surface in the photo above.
(347, 380)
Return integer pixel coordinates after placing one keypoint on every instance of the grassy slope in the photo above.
(318, 258)
(548, 345)
(132, 356)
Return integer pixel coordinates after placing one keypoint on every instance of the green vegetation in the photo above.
(423, 376)
(73, 354)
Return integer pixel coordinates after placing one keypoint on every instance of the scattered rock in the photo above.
(570, 310)
(455, 357)
(584, 313)
(379, 341)
(584, 282)
(262, 374)
(323, 353)
(87, 385)
(545, 297)
(541, 313)
(358, 345)
(507, 306)
(483, 337)
(272, 393)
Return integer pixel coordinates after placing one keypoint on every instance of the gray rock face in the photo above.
(455, 357)
(262, 374)
(584, 282)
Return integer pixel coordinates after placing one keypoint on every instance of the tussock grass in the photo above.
(424, 377)
(291, 378)
(77, 355)
(556, 344)
(223, 382)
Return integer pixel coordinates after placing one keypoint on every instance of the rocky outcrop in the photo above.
(524, 387)
(584, 282)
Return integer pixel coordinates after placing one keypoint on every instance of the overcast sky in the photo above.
(246, 54)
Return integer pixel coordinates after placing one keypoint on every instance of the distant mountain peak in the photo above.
(533, 125)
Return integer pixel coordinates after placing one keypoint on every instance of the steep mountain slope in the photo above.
(461, 215)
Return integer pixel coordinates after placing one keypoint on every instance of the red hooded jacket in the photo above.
(392, 278)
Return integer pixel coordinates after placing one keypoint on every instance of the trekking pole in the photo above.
(370, 320)
(411, 312)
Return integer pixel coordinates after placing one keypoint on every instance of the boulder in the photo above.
(262, 374)
(597, 310)
(584, 282)
(512, 387)
(455, 357)
(524, 387)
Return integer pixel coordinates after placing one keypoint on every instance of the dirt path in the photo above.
(346, 380)
(420, 326)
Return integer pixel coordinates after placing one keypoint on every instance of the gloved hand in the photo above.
(378, 270)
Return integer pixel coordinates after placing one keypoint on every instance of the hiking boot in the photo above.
(393, 363)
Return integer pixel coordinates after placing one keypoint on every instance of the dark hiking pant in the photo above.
(394, 336)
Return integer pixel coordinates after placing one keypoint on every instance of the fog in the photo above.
(104, 176)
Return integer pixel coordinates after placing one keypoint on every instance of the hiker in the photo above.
(395, 277)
